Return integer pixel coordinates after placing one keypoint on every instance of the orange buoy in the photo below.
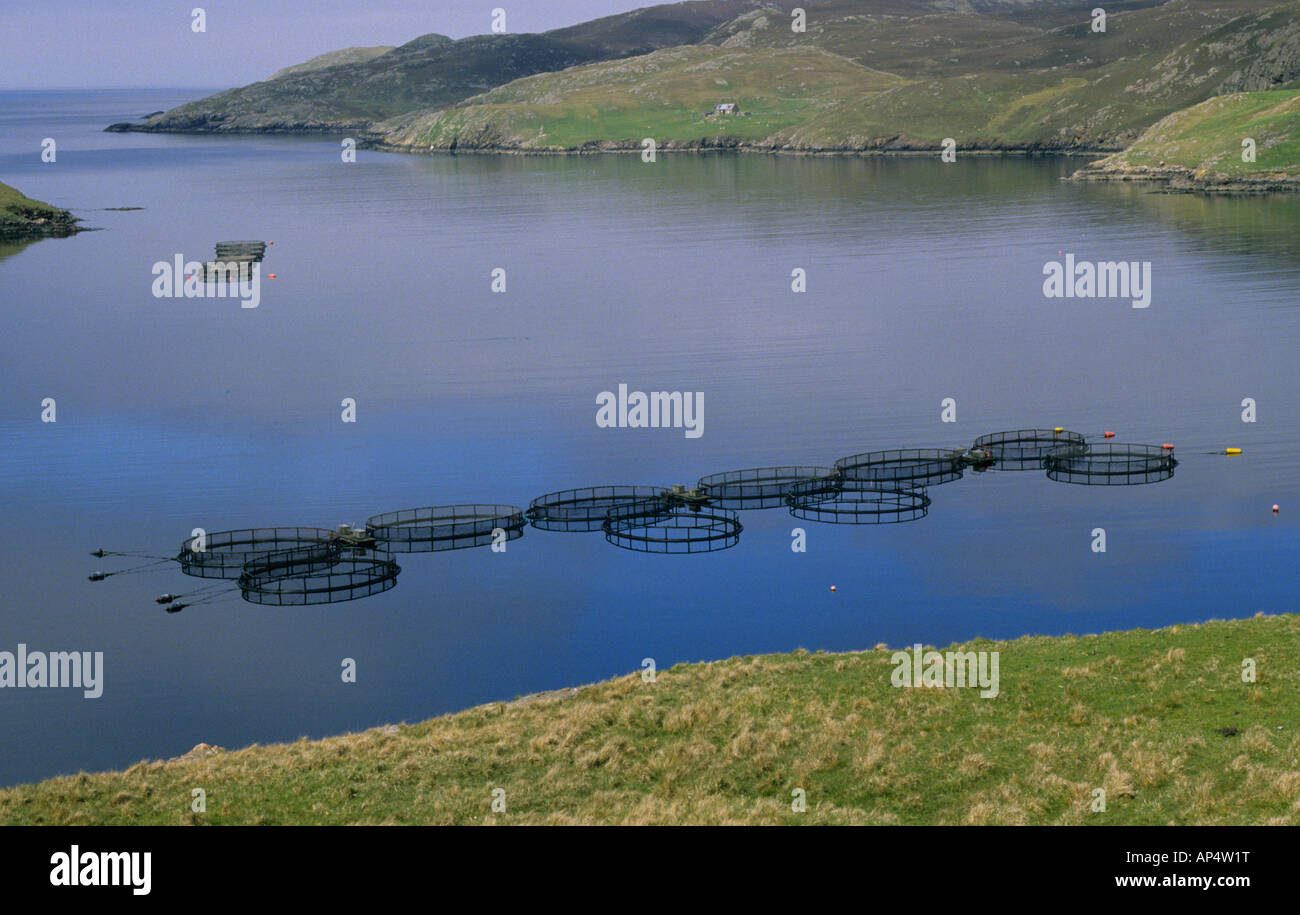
(1109, 434)
(833, 587)
(270, 276)
(1167, 446)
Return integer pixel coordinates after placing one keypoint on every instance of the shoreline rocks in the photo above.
(1177, 178)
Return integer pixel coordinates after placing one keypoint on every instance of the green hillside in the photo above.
(1162, 721)
(989, 82)
(1202, 145)
(991, 74)
(668, 95)
(433, 71)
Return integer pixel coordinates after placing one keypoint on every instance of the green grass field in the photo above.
(1160, 720)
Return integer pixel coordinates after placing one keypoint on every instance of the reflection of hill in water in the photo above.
(1235, 224)
(9, 247)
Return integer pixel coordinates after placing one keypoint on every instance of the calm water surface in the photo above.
(924, 282)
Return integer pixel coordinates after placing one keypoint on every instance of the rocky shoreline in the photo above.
(22, 223)
(879, 146)
(1180, 179)
(205, 125)
(488, 142)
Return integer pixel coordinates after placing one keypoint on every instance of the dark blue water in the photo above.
(924, 282)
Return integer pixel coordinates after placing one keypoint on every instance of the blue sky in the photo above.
(60, 44)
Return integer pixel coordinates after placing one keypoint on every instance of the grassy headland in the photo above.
(1201, 147)
(23, 218)
(1160, 720)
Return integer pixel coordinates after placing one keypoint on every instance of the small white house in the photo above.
(725, 108)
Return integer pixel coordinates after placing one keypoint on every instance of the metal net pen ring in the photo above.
(585, 509)
(909, 467)
(855, 502)
(1111, 464)
(304, 560)
(659, 527)
(445, 527)
(224, 553)
(357, 572)
(758, 487)
(1024, 449)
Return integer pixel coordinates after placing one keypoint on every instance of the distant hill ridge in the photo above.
(434, 71)
(886, 75)
(334, 59)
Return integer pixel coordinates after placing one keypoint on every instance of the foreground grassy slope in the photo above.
(1203, 144)
(1161, 720)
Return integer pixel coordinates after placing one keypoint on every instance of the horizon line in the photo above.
(110, 88)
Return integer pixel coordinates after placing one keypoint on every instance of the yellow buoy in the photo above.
(1232, 451)
(1059, 429)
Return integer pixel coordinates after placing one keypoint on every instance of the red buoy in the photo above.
(1167, 446)
(1109, 434)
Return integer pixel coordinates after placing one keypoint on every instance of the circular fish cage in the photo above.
(444, 527)
(909, 467)
(304, 560)
(1110, 464)
(855, 502)
(226, 552)
(296, 578)
(585, 509)
(758, 487)
(1024, 449)
(651, 526)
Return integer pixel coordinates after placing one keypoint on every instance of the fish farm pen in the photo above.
(290, 566)
(234, 261)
